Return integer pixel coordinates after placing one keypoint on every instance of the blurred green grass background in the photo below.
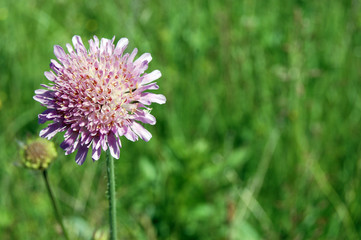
(259, 138)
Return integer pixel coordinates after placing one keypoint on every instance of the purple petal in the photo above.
(152, 86)
(141, 131)
(68, 142)
(96, 41)
(59, 53)
(56, 64)
(84, 135)
(113, 146)
(121, 46)
(73, 147)
(50, 76)
(125, 57)
(45, 97)
(121, 131)
(41, 91)
(41, 100)
(92, 46)
(52, 129)
(144, 57)
(81, 154)
(103, 142)
(96, 142)
(96, 153)
(102, 45)
(45, 86)
(106, 46)
(48, 115)
(145, 117)
(119, 142)
(78, 45)
(148, 98)
(129, 134)
(132, 55)
(151, 77)
(68, 133)
(70, 48)
(140, 68)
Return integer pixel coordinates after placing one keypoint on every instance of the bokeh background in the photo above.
(259, 138)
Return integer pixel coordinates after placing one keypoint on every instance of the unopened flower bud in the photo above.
(38, 154)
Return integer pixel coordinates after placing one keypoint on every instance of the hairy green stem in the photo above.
(56, 210)
(111, 196)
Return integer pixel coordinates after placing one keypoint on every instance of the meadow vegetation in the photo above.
(259, 138)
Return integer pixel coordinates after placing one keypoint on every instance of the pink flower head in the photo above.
(96, 96)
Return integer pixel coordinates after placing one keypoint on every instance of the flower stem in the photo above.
(111, 196)
(56, 210)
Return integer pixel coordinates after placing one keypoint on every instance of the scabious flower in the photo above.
(97, 96)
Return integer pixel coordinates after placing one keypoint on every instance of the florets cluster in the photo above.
(98, 95)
